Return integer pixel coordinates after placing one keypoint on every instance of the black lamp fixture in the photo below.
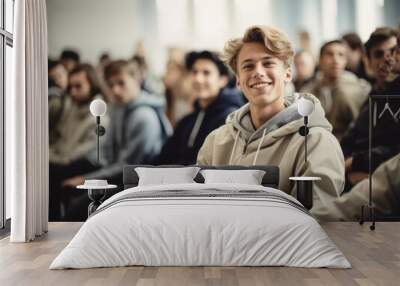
(305, 184)
(305, 107)
(98, 108)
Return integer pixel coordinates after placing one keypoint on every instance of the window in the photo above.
(9, 15)
(6, 62)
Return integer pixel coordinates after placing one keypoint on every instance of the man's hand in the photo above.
(348, 163)
(357, 177)
(73, 182)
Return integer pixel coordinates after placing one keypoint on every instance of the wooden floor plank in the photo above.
(375, 257)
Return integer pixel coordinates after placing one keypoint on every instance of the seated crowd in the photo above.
(235, 109)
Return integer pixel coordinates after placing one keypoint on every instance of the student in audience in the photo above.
(104, 60)
(58, 74)
(340, 92)
(386, 199)
(214, 101)
(266, 130)
(74, 136)
(304, 64)
(396, 67)
(177, 91)
(139, 64)
(356, 58)
(380, 49)
(58, 83)
(138, 126)
(137, 130)
(69, 59)
(305, 41)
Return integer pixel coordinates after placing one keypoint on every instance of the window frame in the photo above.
(6, 39)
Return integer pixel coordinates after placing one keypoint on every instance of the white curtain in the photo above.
(27, 123)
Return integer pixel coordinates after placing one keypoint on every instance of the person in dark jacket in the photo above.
(380, 49)
(214, 101)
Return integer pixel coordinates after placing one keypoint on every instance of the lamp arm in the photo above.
(100, 131)
(98, 141)
(305, 137)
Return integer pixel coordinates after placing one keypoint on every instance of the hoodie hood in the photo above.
(147, 99)
(286, 122)
(156, 102)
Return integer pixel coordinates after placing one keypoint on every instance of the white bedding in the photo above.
(189, 230)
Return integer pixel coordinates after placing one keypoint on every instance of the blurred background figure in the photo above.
(341, 93)
(139, 65)
(305, 43)
(357, 62)
(381, 52)
(74, 135)
(58, 83)
(177, 90)
(396, 66)
(304, 64)
(104, 60)
(137, 130)
(214, 101)
(141, 68)
(69, 59)
(58, 75)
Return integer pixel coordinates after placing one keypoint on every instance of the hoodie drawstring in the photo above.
(234, 147)
(259, 146)
(196, 128)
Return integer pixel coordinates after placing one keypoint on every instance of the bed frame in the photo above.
(270, 179)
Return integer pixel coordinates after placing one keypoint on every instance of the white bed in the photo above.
(222, 225)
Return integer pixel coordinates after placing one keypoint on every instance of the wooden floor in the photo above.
(375, 257)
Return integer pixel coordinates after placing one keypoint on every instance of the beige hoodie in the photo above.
(75, 133)
(279, 143)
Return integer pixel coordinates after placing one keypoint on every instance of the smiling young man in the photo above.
(265, 131)
(214, 101)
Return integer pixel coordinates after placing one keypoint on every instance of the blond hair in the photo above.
(275, 41)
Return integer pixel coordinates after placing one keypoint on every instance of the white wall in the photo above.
(92, 26)
(95, 26)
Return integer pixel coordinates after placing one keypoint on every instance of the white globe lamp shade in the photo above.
(305, 106)
(98, 107)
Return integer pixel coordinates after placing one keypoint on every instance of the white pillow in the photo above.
(248, 177)
(163, 176)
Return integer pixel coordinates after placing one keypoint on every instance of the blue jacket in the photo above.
(192, 130)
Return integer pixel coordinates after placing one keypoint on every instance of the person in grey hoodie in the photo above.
(138, 126)
(265, 131)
